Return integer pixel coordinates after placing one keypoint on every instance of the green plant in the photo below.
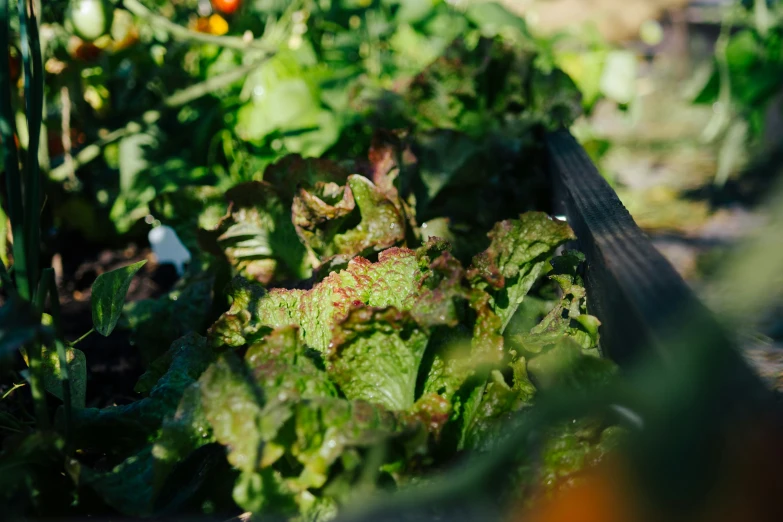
(25, 326)
(409, 356)
(743, 82)
(374, 298)
(288, 77)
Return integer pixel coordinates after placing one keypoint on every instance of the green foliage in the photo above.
(108, 296)
(134, 425)
(516, 259)
(77, 375)
(334, 77)
(742, 84)
(375, 356)
(156, 323)
(411, 341)
(313, 156)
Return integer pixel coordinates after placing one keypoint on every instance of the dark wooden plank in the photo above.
(644, 305)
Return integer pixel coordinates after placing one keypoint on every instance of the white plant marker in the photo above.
(167, 247)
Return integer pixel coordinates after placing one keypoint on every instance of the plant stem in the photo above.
(65, 380)
(48, 282)
(48, 286)
(11, 161)
(80, 339)
(37, 384)
(186, 35)
(12, 390)
(178, 99)
(65, 119)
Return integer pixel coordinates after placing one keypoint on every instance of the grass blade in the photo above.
(33, 88)
(11, 161)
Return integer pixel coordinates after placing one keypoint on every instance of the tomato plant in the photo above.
(226, 6)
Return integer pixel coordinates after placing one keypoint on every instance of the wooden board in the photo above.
(645, 307)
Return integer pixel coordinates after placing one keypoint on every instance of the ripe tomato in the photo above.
(89, 19)
(83, 50)
(14, 63)
(226, 6)
(215, 24)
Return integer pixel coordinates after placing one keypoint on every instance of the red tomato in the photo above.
(226, 6)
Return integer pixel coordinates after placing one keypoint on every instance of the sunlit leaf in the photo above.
(108, 296)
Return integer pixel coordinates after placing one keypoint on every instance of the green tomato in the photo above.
(651, 33)
(89, 19)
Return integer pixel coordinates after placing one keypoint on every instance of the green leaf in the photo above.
(190, 211)
(570, 448)
(516, 258)
(392, 281)
(234, 408)
(182, 432)
(568, 318)
(412, 11)
(30, 468)
(258, 237)
(264, 491)
(584, 67)
(338, 219)
(381, 224)
(565, 365)
(108, 296)
(556, 100)
(375, 356)
(415, 47)
(280, 363)
(293, 171)
(266, 433)
(743, 51)
(3, 238)
(491, 17)
(134, 425)
(127, 487)
(445, 157)
(156, 323)
(497, 401)
(133, 157)
(77, 375)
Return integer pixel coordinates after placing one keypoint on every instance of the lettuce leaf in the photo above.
(257, 235)
(568, 318)
(281, 364)
(323, 219)
(375, 356)
(392, 281)
(260, 424)
(516, 258)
